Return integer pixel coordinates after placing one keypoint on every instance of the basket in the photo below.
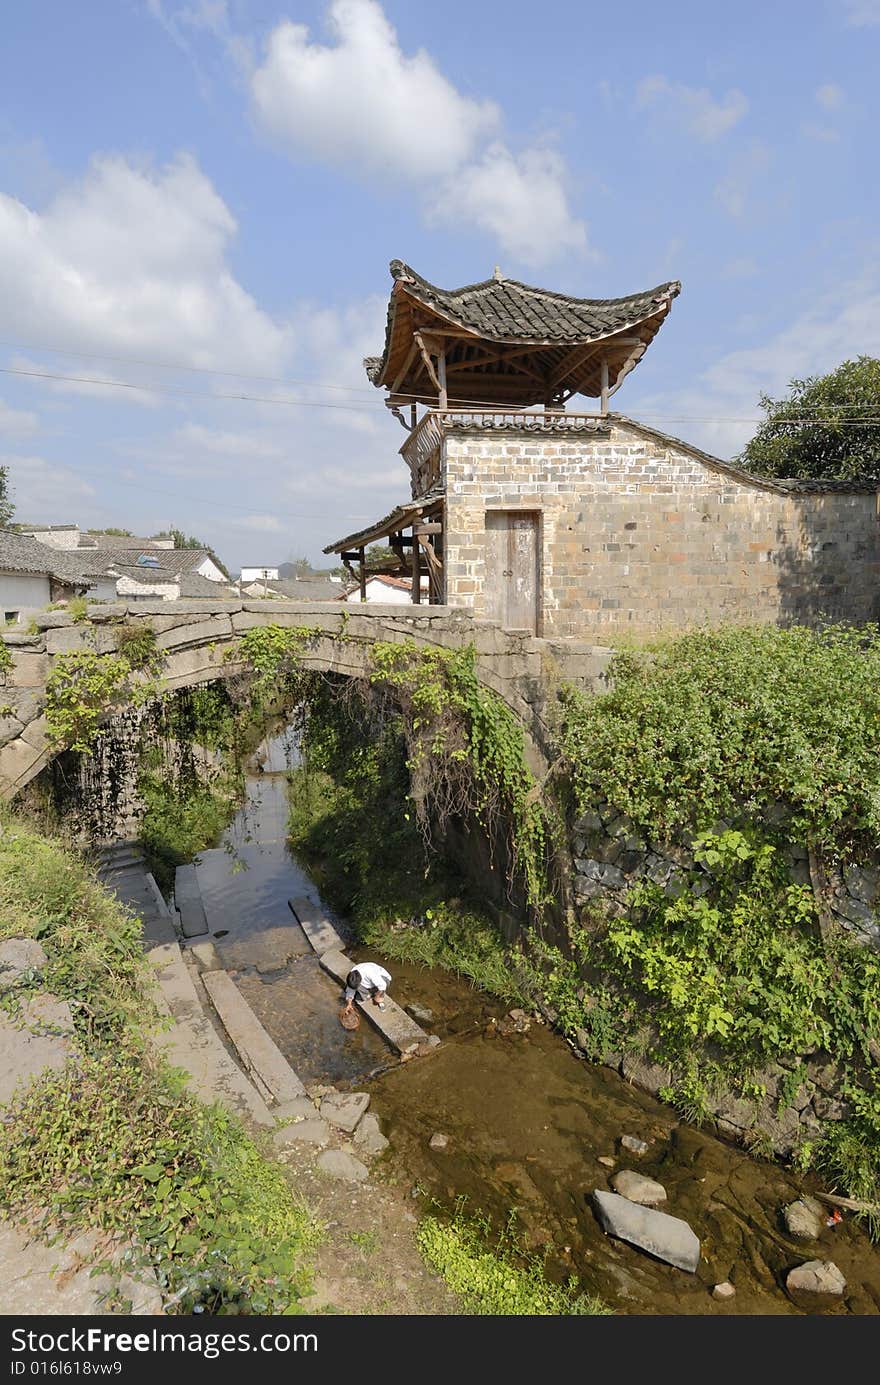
(349, 1019)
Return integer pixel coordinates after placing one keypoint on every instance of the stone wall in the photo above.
(611, 856)
(641, 533)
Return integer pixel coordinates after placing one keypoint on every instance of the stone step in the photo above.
(317, 928)
(397, 1027)
(188, 902)
(192, 1043)
(261, 1057)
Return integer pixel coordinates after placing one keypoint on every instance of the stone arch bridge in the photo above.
(196, 638)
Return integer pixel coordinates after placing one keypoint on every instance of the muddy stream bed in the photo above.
(527, 1120)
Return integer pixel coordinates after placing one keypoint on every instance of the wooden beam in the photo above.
(416, 569)
(441, 374)
(435, 569)
(604, 379)
(427, 529)
(363, 574)
(400, 377)
(629, 364)
(429, 364)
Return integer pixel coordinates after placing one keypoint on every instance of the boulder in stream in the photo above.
(815, 1277)
(635, 1186)
(634, 1144)
(344, 1109)
(804, 1219)
(336, 1163)
(667, 1238)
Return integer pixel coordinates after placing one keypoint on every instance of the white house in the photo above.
(258, 574)
(33, 574)
(395, 591)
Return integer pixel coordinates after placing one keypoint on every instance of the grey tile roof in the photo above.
(19, 553)
(508, 311)
(398, 518)
(173, 560)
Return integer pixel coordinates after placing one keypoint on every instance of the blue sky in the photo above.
(199, 200)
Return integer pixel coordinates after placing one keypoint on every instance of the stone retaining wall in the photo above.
(611, 856)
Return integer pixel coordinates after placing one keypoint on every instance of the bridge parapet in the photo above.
(197, 638)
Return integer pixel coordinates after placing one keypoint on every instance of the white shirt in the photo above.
(373, 977)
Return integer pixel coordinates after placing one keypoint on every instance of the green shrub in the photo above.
(726, 723)
(497, 1279)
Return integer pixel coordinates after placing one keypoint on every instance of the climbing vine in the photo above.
(272, 652)
(79, 690)
(466, 752)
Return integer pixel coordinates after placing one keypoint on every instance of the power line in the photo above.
(173, 390)
(193, 369)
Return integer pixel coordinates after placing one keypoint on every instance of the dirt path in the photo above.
(368, 1262)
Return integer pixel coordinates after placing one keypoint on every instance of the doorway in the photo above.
(512, 569)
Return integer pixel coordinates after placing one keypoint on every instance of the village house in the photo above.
(587, 524)
(133, 568)
(384, 586)
(32, 575)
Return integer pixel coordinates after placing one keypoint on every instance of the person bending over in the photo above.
(366, 980)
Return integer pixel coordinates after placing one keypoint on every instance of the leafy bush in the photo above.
(111, 1142)
(726, 723)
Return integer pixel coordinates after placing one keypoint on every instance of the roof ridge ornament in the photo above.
(496, 274)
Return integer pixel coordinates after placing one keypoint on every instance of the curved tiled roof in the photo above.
(500, 312)
(506, 310)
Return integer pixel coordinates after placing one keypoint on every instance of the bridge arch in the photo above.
(197, 641)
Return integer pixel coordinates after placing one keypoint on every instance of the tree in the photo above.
(828, 426)
(181, 540)
(7, 508)
(119, 533)
(379, 558)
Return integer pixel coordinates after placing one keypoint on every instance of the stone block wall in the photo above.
(640, 533)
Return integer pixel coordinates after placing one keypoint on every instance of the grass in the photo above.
(497, 1279)
(113, 1141)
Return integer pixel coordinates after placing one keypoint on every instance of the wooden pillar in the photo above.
(416, 570)
(441, 376)
(362, 574)
(604, 380)
(413, 417)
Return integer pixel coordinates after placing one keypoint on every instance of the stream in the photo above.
(527, 1119)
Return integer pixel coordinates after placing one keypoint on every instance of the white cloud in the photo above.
(261, 524)
(521, 201)
(703, 116)
(862, 13)
(721, 411)
(365, 105)
(243, 446)
(40, 488)
(17, 422)
(132, 261)
(829, 96)
(363, 101)
(734, 191)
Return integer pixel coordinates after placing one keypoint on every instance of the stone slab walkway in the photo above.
(260, 1055)
(319, 931)
(397, 1027)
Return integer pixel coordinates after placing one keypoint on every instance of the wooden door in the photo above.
(512, 569)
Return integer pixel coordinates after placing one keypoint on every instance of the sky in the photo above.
(199, 200)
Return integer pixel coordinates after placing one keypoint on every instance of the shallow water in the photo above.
(526, 1117)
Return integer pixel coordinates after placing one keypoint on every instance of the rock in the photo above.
(433, 1040)
(667, 1238)
(804, 1219)
(20, 959)
(40, 1037)
(344, 1109)
(337, 1164)
(305, 1132)
(736, 1112)
(815, 1277)
(638, 1188)
(368, 1136)
(634, 1144)
(649, 1076)
(607, 1160)
(828, 1108)
(420, 1013)
(438, 1141)
(723, 1291)
(300, 1108)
